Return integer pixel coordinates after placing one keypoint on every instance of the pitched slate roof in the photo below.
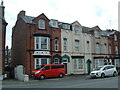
(28, 19)
(86, 30)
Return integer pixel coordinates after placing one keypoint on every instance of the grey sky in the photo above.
(103, 13)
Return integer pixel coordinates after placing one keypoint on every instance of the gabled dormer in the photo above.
(96, 31)
(41, 21)
(76, 27)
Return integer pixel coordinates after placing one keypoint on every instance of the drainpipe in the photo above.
(30, 49)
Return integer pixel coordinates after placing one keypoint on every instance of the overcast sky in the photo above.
(103, 13)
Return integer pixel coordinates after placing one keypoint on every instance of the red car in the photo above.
(49, 70)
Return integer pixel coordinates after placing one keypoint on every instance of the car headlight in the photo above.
(97, 73)
(37, 72)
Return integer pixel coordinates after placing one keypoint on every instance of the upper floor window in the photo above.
(56, 44)
(77, 45)
(97, 34)
(110, 51)
(65, 44)
(76, 29)
(97, 48)
(105, 49)
(116, 49)
(56, 60)
(41, 24)
(42, 43)
(54, 23)
(115, 37)
(66, 26)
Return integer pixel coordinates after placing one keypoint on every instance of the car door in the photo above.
(47, 71)
(106, 71)
(109, 70)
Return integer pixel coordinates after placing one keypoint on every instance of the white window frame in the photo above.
(41, 24)
(110, 51)
(65, 44)
(116, 49)
(78, 64)
(117, 62)
(56, 44)
(66, 26)
(39, 45)
(115, 37)
(76, 29)
(99, 62)
(97, 48)
(54, 23)
(39, 61)
(97, 34)
(77, 45)
(56, 60)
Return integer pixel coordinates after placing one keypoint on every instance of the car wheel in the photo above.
(114, 74)
(102, 75)
(61, 75)
(42, 77)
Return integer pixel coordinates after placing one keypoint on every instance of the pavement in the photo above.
(31, 80)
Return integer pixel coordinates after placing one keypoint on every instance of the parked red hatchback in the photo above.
(49, 70)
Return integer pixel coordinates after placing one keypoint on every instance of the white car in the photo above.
(102, 71)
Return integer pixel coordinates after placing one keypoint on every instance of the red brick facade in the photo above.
(23, 41)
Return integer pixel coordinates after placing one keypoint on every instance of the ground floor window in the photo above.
(40, 61)
(78, 64)
(99, 62)
(56, 60)
(117, 62)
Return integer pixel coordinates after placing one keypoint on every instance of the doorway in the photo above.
(65, 67)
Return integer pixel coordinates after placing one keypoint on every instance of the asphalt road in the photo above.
(66, 82)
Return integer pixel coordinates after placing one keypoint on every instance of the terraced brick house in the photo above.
(35, 41)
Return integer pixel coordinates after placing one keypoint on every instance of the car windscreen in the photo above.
(41, 66)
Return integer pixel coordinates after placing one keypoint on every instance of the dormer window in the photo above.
(115, 37)
(66, 26)
(76, 29)
(97, 34)
(41, 24)
(54, 23)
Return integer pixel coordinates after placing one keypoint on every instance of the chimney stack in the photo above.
(21, 13)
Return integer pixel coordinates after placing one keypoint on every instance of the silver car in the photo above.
(102, 71)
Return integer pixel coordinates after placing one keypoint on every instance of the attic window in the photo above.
(115, 37)
(97, 34)
(66, 26)
(41, 24)
(54, 23)
(76, 29)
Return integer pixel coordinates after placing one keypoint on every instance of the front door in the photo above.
(88, 66)
(65, 67)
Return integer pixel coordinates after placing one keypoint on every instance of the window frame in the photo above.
(98, 51)
(78, 64)
(38, 43)
(40, 61)
(65, 44)
(41, 24)
(58, 60)
(76, 29)
(97, 34)
(77, 45)
(56, 45)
